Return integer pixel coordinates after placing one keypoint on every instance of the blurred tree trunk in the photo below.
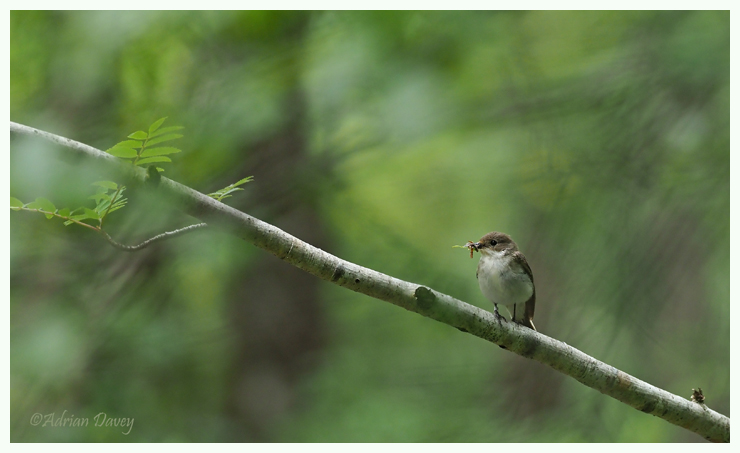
(275, 308)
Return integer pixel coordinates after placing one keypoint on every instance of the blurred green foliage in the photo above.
(598, 140)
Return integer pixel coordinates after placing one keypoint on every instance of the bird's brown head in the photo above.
(495, 242)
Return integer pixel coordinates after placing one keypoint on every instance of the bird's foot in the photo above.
(499, 318)
(497, 315)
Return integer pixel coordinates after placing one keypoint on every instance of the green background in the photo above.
(598, 140)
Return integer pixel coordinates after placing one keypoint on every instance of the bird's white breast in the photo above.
(501, 281)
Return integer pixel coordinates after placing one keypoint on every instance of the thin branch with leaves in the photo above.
(107, 204)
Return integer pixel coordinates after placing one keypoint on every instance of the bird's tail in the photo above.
(528, 323)
(523, 313)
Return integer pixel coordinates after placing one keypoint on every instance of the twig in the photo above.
(96, 229)
(113, 242)
(150, 241)
(110, 205)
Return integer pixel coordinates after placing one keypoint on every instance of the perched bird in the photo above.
(504, 277)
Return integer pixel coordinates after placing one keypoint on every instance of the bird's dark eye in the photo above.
(493, 242)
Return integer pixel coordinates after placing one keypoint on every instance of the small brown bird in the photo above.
(504, 277)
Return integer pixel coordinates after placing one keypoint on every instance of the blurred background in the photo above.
(598, 140)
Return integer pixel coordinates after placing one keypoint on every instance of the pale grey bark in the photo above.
(425, 301)
(152, 240)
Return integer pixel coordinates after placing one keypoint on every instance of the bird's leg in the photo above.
(497, 314)
(498, 317)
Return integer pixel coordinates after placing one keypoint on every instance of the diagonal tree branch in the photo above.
(420, 299)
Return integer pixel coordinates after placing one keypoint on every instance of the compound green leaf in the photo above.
(64, 212)
(106, 184)
(156, 124)
(128, 144)
(120, 202)
(116, 208)
(164, 138)
(79, 218)
(165, 130)
(120, 194)
(47, 206)
(243, 181)
(42, 204)
(15, 204)
(90, 214)
(102, 206)
(139, 135)
(149, 152)
(154, 159)
(99, 196)
(120, 151)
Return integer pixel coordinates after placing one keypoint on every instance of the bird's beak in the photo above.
(477, 246)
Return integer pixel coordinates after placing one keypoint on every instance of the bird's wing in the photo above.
(528, 305)
(522, 261)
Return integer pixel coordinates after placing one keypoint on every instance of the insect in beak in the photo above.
(473, 246)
